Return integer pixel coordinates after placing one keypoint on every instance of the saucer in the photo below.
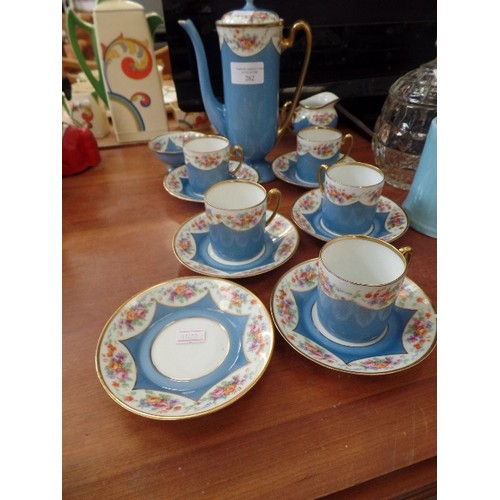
(390, 223)
(192, 248)
(285, 168)
(177, 182)
(410, 337)
(184, 348)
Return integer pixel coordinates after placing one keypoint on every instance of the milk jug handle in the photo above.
(72, 21)
(285, 44)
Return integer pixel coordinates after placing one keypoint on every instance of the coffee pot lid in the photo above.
(249, 14)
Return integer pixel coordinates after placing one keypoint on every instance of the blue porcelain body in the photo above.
(308, 165)
(351, 322)
(233, 245)
(421, 202)
(347, 219)
(252, 110)
(200, 180)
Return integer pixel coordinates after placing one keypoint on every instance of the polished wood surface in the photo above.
(303, 431)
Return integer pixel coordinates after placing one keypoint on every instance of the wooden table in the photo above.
(303, 431)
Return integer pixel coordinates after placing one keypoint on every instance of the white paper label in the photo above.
(250, 73)
(193, 336)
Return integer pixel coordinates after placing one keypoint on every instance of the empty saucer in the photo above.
(184, 348)
(390, 222)
(192, 247)
(177, 182)
(285, 168)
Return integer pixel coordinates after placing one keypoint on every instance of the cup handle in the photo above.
(407, 252)
(276, 194)
(350, 138)
(320, 178)
(237, 151)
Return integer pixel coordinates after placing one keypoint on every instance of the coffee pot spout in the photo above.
(213, 108)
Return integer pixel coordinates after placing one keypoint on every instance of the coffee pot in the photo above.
(251, 42)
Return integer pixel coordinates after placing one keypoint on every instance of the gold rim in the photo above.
(238, 181)
(319, 127)
(346, 162)
(271, 24)
(209, 136)
(373, 240)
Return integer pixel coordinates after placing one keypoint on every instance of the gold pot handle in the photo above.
(285, 44)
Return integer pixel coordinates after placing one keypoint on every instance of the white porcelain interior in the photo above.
(235, 195)
(319, 100)
(354, 175)
(205, 145)
(363, 261)
(319, 134)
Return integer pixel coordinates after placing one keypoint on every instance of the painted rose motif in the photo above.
(206, 161)
(323, 150)
(338, 196)
(371, 299)
(344, 196)
(227, 388)
(246, 41)
(159, 402)
(117, 366)
(239, 221)
(309, 203)
(322, 119)
(287, 309)
(134, 316)
(306, 276)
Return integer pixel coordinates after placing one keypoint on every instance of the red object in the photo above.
(79, 150)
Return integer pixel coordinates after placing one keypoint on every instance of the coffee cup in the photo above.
(318, 145)
(237, 217)
(350, 192)
(207, 160)
(359, 281)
